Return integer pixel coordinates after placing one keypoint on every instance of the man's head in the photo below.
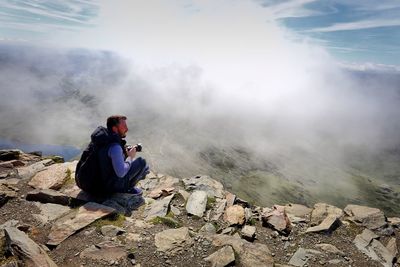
(117, 124)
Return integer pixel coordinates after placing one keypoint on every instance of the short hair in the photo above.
(114, 120)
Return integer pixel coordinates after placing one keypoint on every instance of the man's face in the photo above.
(122, 128)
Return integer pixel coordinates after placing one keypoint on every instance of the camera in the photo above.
(137, 146)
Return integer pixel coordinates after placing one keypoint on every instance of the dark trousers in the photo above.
(137, 172)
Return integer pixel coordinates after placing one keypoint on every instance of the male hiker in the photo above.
(108, 166)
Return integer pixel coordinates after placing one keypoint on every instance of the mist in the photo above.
(271, 115)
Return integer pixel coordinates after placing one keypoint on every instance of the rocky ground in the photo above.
(45, 220)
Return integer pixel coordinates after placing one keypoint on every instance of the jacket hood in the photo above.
(102, 136)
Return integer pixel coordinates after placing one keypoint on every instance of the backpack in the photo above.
(87, 173)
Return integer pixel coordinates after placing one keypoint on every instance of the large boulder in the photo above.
(322, 210)
(371, 218)
(234, 215)
(204, 183)
(53, 177)
(196, 204)
(173, 240)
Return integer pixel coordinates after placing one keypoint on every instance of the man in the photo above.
(107, 165)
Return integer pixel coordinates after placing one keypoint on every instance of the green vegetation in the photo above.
(114, 219)
(168, 221)
(210, 202)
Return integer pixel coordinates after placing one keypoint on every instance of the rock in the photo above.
(196, 204)
(6, 193)
(222, 257)
(48, 196)
(248, 232)
(161, 192)
(26, 249)
(165, 186)
(368, 244)
(208, 229)
(204, 183)
(184, 194)
(298, 210)
(53, 177)
(172, 240)
(301, 256)
(328, 224)
(128, 202)
(175, 211)
(105, 251)
(322, 210)
(330, 248)
(50, 212)
(9, 154)
(371, 218)
(230, 199)
(158, 208)
(248, 214)
(219, 210)
(111, 230)
(29, 171)
(394, 221)
(10, 181)
(277, 219)
(250, 254)
(392, 247)
(76, 220)
(234, 215)
(78, 195)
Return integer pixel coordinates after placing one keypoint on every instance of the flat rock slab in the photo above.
(204, 183)
(6, 193)
(371, 218)
(329, 223)
(165, 186)
(26, 249)
(250, 254)
(158, 208)
(222, 257)
(322, 210)
(330, 248)
(219, 210)
(69, 224)
(172, 240)
(50, 212)
(301, 256)
(234, 215)
(196, 204)
(111, 230)
(9, 154)
(75, 193)
(53, 177)
(105, 251)
(48, 196)
(29, 171)
(298, 210)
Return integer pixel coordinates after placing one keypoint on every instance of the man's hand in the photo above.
(131, 152)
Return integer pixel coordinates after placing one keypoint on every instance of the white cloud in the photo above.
(358, 25)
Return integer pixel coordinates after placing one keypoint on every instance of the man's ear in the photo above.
(114, 129)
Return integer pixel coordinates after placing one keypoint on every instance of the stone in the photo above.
(76, 220)
(204, 183)
(184, 194)
(328, 224)
(9, 154)
(76, 194)
(10, 181)
(234, 215)
(248, 214)
(165, 186)
(248, 232)
(196, 204)
(301, 256)
(322, 210)
(161, 192)
(330, 248)
(6, 193)
(207, 229)
(277, 219)
(297, 210)
(158, 208)
(222, 257)
(230, 199)
(26, 249)
(48, 196)
(219, 210)
(105, 251)
(371, 218)
(50, 212)
(392, 247)
(128, 202)
(249, 254)
(394, 221)
(111, 230)
(53, 177)
(29, 171)
(172, 240)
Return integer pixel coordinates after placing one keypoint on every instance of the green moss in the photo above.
(252, 221)
(168, 221)
(114, 219)
(210, 202)
(56, 159)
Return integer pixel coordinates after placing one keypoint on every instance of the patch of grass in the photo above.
(114, 219)
(166, 221)
(56, 159)
(210, 202)
(252, 221)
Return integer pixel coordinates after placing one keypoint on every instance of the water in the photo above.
(67, 152)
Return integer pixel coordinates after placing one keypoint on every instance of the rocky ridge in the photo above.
(45, 220)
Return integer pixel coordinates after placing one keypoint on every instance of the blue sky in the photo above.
(356, 31)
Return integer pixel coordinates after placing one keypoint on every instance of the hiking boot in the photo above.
(135, 191)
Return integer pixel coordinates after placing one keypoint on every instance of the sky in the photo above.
(356, 31)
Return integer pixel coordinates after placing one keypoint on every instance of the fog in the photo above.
(250, 100)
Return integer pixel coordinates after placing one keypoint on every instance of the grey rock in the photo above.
(48, 196)
(173, 240)
(322, 210)
(9, 154)
(50, 212)
(222, 257)
(248, 232)
(204, 183)
(298, 210)
(196, 204)
(330, 222)
(106, 251)
(158, 208)
(301, 256)
(175, 211)
(330, 248)
(111, 230)
(52, 177)
(207, 229)
(26, 249)
(219, 210)
(371, 218)
(29, 171)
